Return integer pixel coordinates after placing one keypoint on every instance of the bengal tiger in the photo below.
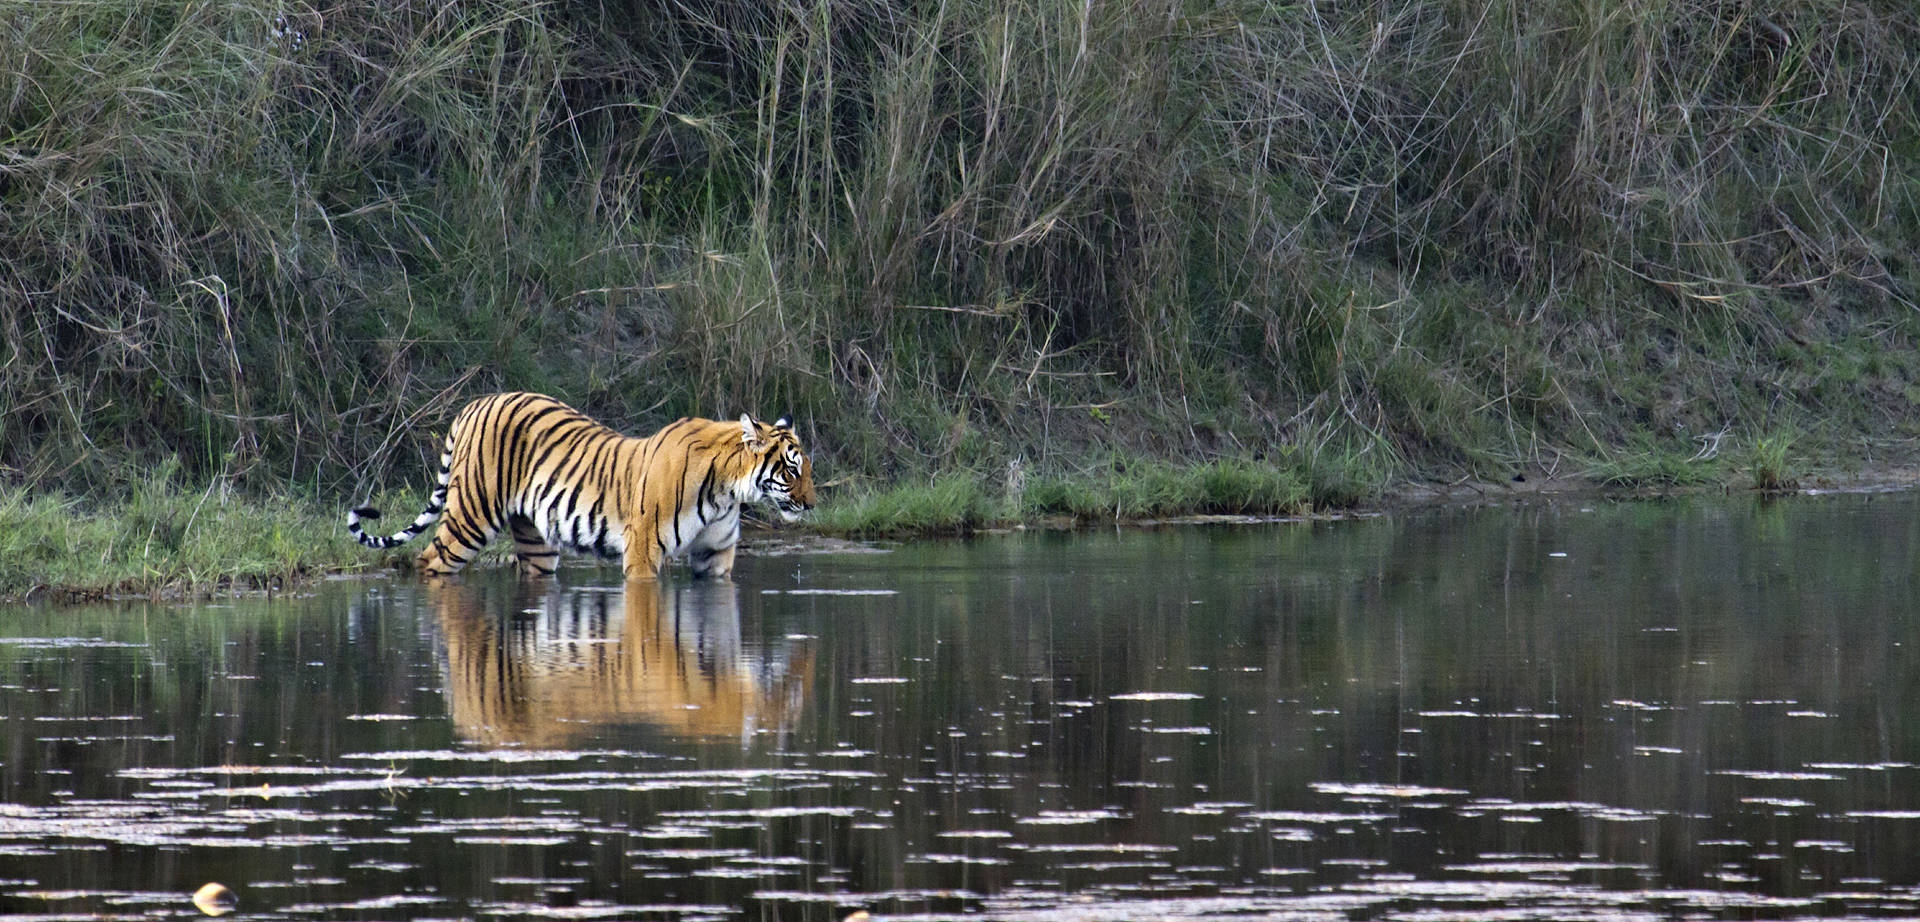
(559, 480)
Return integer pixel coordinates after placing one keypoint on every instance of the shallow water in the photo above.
(1568, 710)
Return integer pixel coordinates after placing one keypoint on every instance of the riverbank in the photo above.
(1405, 241)
(165, 539)
(162, 539)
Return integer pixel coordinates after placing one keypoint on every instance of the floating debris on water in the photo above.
(1381, 790)
(829, 592)
(1069, 817)
(215, 899)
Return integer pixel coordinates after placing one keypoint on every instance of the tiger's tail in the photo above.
(436, 504)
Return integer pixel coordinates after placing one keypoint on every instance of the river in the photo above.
(1566, 709)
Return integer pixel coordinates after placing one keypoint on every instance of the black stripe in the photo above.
(552, 509)
(588, 469)
(566, 505)
(679, 489)
(601, 474)
(529, 503)
(612, 499)
(459, 532)
(521, 461)
(490, 488)
(560, 439)
(705, 494)
(574, 467)
(594, 513)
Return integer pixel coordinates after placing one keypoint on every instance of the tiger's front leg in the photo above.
(711, 552)
(643, 555)
(712, 563)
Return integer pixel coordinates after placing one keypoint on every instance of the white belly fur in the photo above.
(561, 531)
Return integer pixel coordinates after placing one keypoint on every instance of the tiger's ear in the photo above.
(749, 431)
(783, 423)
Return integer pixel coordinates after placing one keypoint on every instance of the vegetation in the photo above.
(1769, 464)
(1298, 250)
(1116, 490)
(161, 538)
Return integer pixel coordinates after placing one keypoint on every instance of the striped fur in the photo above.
(556, 480)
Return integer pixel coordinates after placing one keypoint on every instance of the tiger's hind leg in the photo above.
(458, 541)
(537, 557)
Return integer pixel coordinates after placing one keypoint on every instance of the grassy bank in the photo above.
(1343, 244)
(162, 539)
(1111, 490)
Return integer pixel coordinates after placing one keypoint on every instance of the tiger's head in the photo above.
(782, 472)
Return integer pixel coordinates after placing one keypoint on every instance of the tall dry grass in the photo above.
(279, 239)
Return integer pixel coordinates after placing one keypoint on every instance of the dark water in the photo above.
(1702, 708)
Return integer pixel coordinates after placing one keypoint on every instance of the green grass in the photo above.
(1119, 491)
(1769, 462)
(1148, 488)
(162, 539)
(1653, 466)
(948, 504)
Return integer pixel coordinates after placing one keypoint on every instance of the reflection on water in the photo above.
(541, 666)
(1586, 711)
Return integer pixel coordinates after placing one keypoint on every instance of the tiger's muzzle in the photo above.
(790, 509)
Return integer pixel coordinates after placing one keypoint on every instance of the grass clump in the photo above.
(1649, 466)
(947, 504)
(1122, 491)
(1151, 488)
(162, 538)
(1769, 462)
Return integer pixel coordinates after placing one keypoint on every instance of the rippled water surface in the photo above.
(1700, 708)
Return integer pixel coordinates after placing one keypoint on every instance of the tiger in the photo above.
(556, 479)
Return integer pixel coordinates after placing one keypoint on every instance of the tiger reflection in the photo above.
(550, 666)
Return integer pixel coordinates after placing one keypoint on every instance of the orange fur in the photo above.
(556, 480)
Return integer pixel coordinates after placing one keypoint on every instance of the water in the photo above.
(1700, 708)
